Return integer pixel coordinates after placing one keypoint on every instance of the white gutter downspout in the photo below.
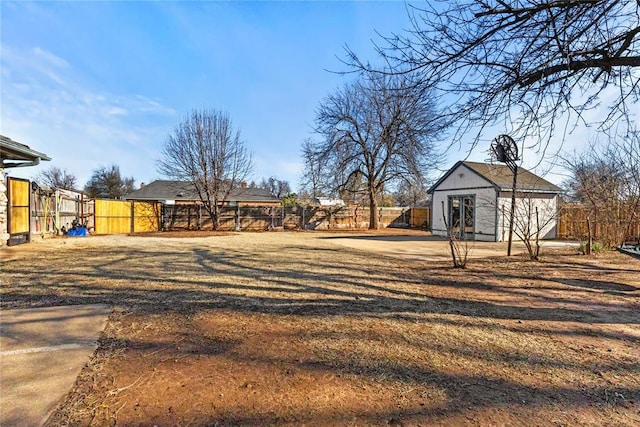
(34, 162)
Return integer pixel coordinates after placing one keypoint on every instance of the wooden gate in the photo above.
(18, 191)
(124, 216)
(112, 217)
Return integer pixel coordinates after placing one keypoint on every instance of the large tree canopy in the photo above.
(107, 182)
(526, 62)
(375, 131)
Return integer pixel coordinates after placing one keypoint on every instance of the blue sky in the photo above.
(96, 83)
(100, 83)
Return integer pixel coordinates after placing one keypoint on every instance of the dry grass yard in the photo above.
(294, 329)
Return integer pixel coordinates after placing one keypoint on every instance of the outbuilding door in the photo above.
(462, 214)
(18, 192)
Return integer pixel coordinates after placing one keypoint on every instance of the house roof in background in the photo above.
(13, 150)
(502, 178)
(184, 191)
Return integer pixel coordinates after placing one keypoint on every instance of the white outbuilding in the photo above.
(473, 201)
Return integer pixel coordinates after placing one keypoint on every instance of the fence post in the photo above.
(132, 217)
(57, 208)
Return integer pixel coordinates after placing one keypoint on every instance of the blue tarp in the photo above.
(77, 232)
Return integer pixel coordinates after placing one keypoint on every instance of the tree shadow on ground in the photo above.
(201, 278)
(309, 283)
(600, 285)
(389, 238)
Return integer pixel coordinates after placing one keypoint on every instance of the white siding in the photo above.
(463, 177)
(547, 205)
(492, 211)
(464, 182)
(486, 215)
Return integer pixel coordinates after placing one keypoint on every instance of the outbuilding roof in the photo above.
(13, 150)
(184, 191)
(502, 178)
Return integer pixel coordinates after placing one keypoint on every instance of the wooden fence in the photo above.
(32, 209)
(56, 210)
(572, 224)
(420, 218)
(195, 217)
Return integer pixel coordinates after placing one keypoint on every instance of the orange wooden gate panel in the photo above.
(112, 216)
(115, 216)
(19, 225)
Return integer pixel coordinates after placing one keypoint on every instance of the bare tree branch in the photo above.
(54, 177)
(526, 62)
(605, 179)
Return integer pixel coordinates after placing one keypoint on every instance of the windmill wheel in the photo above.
(504, 149)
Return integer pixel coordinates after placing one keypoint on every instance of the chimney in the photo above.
(243, 184)
(142, 185)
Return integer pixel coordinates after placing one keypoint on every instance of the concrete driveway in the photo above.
(424, 247)
(42, 351)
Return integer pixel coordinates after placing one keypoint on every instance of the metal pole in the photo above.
(514, 167)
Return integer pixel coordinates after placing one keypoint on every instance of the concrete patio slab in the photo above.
(42, 351)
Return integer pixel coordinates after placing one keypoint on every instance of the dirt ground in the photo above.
(295, 329)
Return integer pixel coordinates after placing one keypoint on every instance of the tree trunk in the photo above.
(589, 236)
(214, 213)
(216, 216)
(373, 210)
(537, 242)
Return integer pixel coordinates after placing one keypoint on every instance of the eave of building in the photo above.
(15, 151)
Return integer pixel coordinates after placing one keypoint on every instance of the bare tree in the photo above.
(205, 150)
(54, 177)
(107, 182)
(605, 179)
(312, 181)
(459, 247)
(277, 187)
(527, 62)
(410, 193)
(533, 218)
(376, 130)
